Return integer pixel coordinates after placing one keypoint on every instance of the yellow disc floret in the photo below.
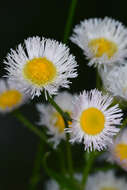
(92, 121)
(102, 46)
(10, 98)
(59, 123)
(121, 151)
(39, 71)
(109, 188)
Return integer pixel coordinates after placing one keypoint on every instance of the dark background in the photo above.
(22, 19)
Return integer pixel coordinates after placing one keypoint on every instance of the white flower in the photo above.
(103, 41)
(118, 150)
(115, 81)
(105, 181)
(94, 122)
(43, 64)
(11, 96)
(53, 120)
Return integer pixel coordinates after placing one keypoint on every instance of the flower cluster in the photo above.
(46, 65)
(91, 117)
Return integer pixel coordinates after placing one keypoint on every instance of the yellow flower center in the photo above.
(109, 188)
(39, 71)
(59, 124)
(10, 98)
(121, 151)
(92, 121)
(101, 46)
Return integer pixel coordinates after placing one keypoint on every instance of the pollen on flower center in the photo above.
(92, 121)
(101, 46)
(10, 98)
(121, 151)
(39, 71)
(109, 188)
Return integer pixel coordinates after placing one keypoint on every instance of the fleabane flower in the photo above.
(94, 120)
(106, 181)
(103, 41)
(11, 97)
(42, 64)
(53, 120)
(115, 81)
(118, 150)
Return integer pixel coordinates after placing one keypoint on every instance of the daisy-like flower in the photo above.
(105, 181)
(115, 81)
(53, 120)
(11, 96)
(118, 150)
(94, 122)
(103, 41)
(43, 64)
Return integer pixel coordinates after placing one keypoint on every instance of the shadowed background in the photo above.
(22, 19)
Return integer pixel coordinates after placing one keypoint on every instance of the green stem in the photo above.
(53, 103)
(30, 126)
(69, 156)
(89, 162)
(62, 160)
(36, 176)
(58, 109)
(69, 20)
(66, 118)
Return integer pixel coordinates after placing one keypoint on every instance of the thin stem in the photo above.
(66, 118)
(89, 162)
(69, 20)
(56, 106)
(58, 109)
(62, 160)
(69, 156)
(36, 176)
(30, 126)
